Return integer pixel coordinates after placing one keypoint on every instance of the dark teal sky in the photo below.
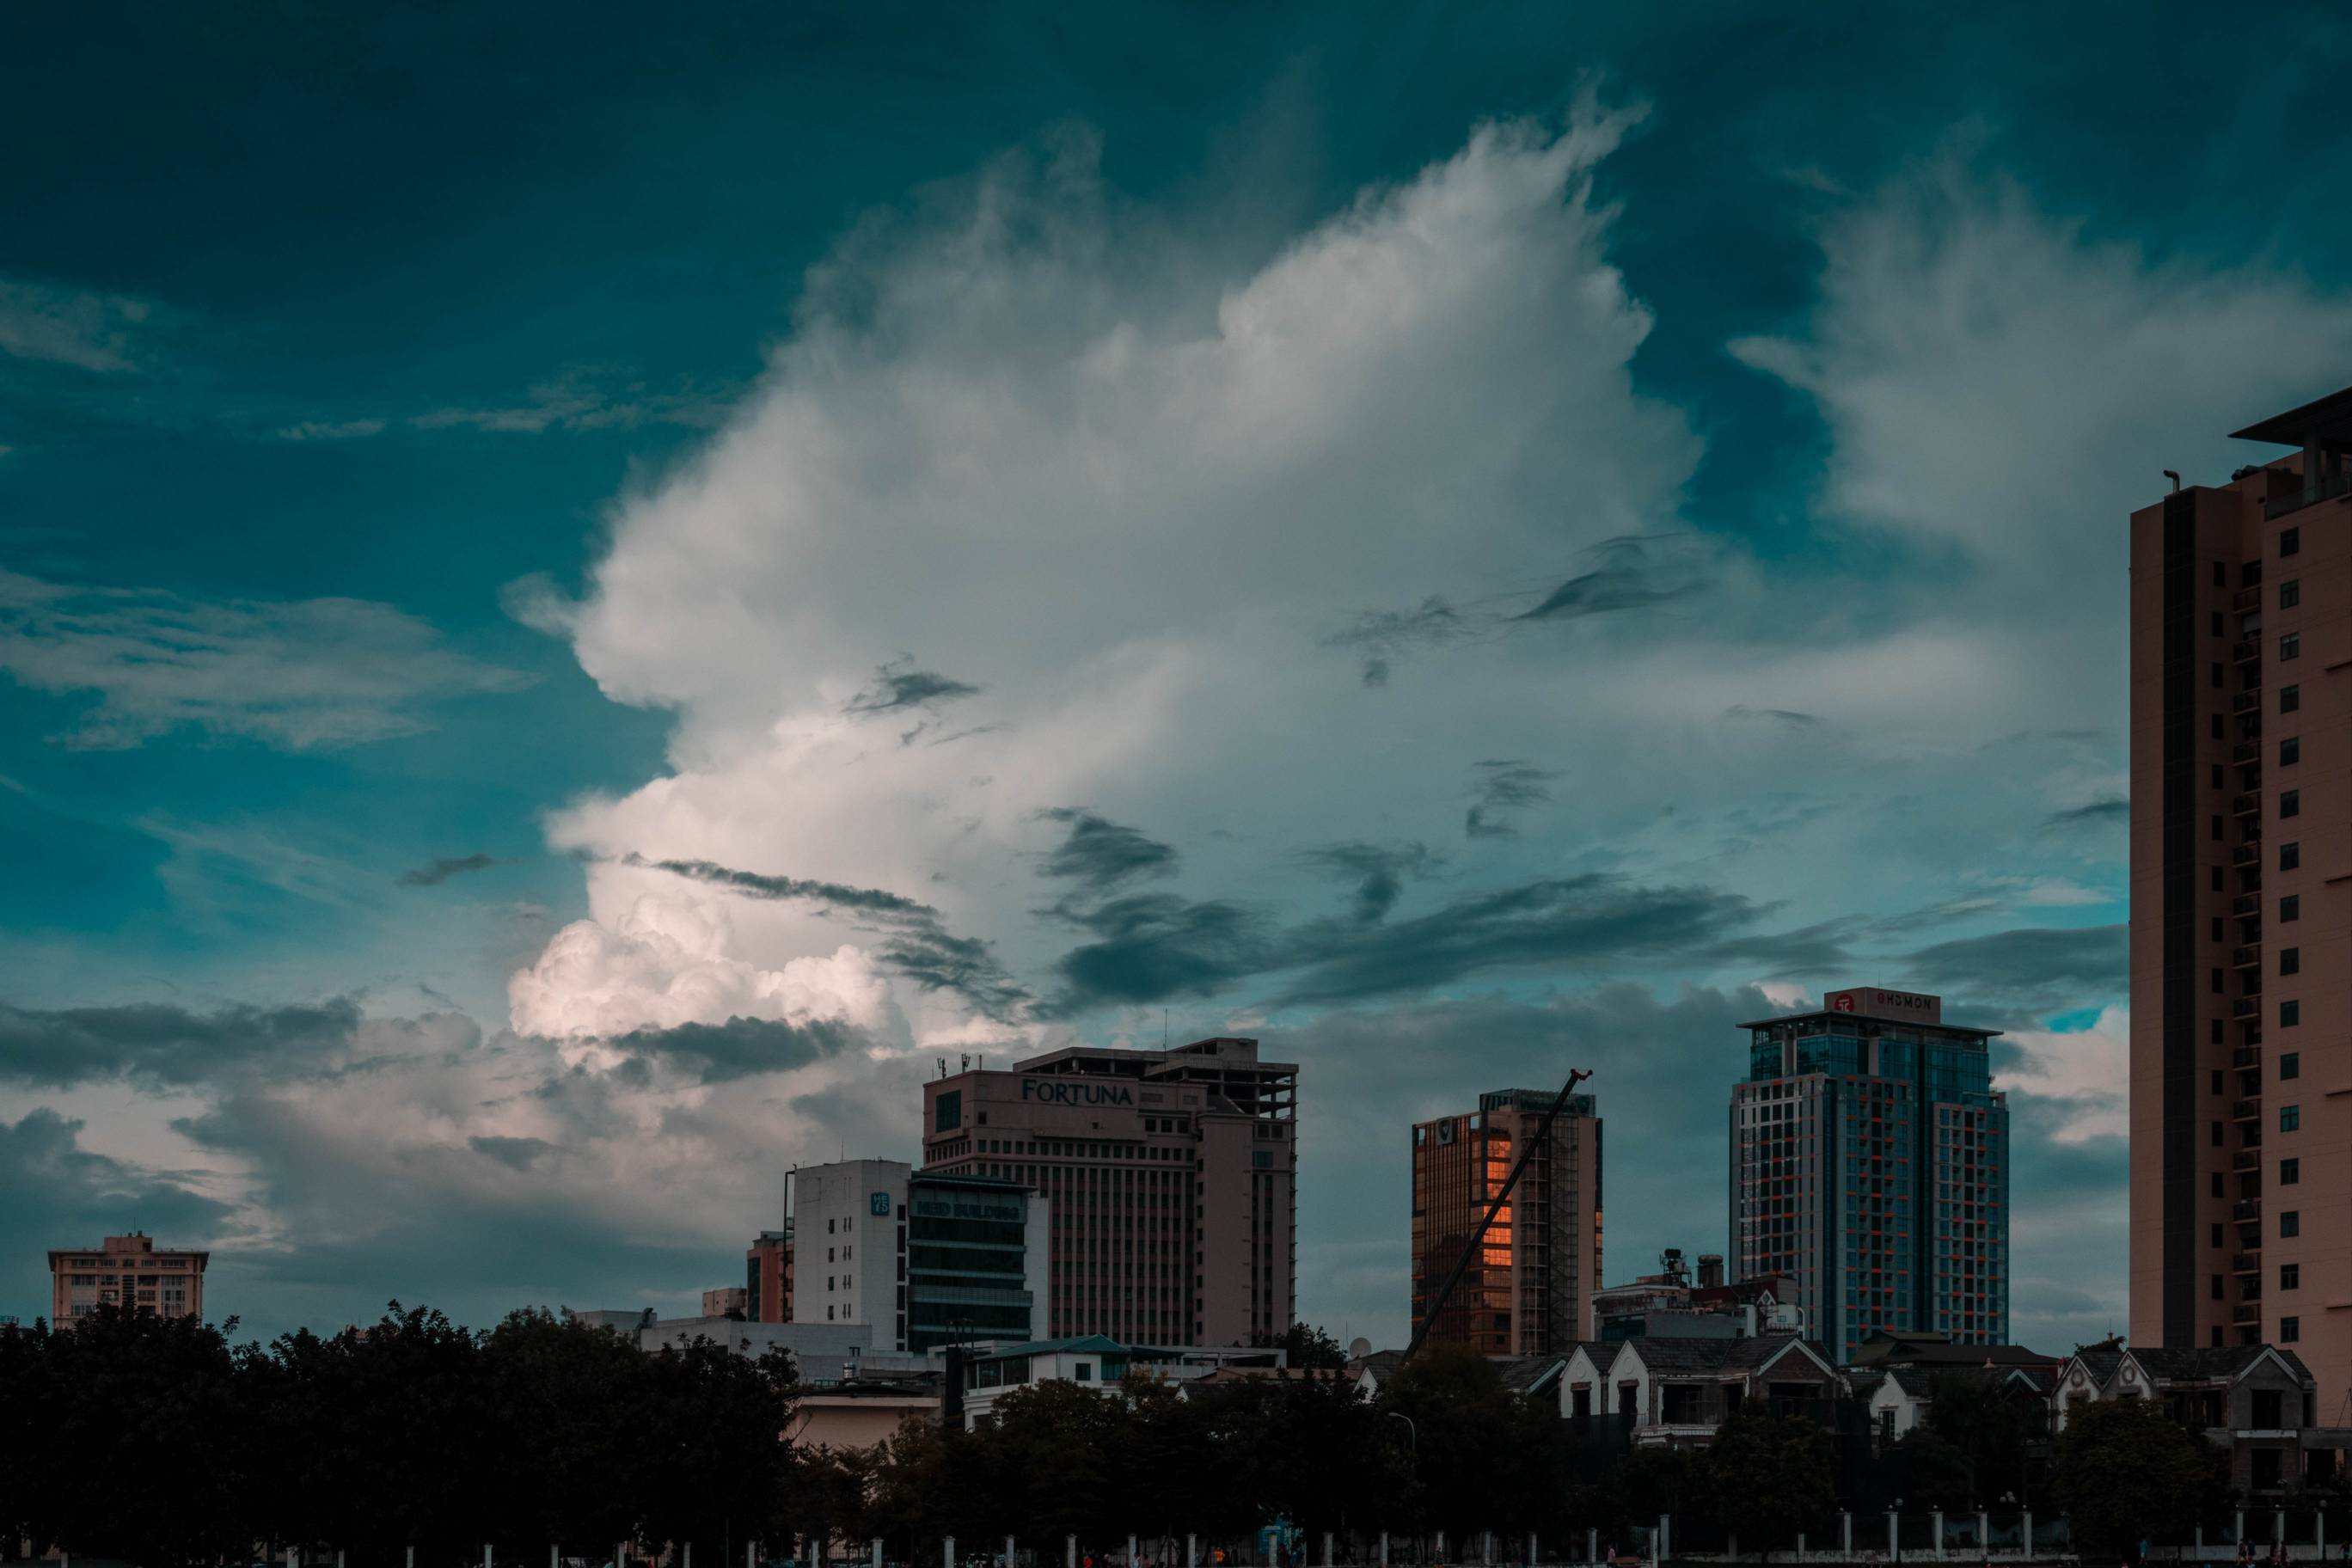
(333, 340)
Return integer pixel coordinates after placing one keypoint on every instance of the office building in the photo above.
(849, 1246)
(1169, 1177)
(1528, 1288)
(923, 1258)
(1870, 1171)
(126, 1271)
(2241, 978)
(727, 1302)
(971, 1244)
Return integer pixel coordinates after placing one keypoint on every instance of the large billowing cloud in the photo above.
(1071, 625)
(1074, 625)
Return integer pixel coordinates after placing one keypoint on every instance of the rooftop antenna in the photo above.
(1163, 1029)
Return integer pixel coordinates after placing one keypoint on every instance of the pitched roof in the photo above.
(1528, 1373)
(2195, 1363)
(1670, 1357)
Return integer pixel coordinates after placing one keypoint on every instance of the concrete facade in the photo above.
(1528, 1291)
(2241, 900)
(1169, 1179)
(126, 1271)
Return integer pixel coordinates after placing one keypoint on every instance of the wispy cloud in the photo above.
(85, 329)
(297, 673)
(440, 870)
(1500, 785)
(900, 685)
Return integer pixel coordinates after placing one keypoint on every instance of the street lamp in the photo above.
(1411, 1433)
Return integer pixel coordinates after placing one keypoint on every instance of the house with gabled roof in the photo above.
(2258, 1402)
(1678, 1391)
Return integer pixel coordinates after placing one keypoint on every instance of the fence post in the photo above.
(946, 1552)
(485, 1555)
(1845, 1535)
(1938, 1517)
(2238, 1526)
(1531, 1552)
(1984, 1532)
(1384, 1549)
(1894, 1540)
(1665, 1540)
(2278, 1525)
(1192, 1550)
(2319, 1532)
(1069, 1550)
(2029, 1533)
(877, 1553)
(1800, 1546)
(1486, 1546)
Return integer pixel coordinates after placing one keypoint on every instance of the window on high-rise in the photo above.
(2290, 1065)
(2290, 1172)
(2290, 750)
(2289, 592)
(2289, 1276)
(2290, 699)
(2290, 803)
(2290, 646)
(2290, 960)
(2290, 857)
(2290, 1223)
(2290, 1330)
(2290, 1015)
(2290, 1118)
(2290, 908)
(2290, 541)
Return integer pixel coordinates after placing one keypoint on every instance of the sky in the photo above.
(585, 596)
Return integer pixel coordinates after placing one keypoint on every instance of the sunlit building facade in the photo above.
(1528, 1291)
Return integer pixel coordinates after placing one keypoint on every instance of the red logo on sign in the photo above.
(1841, 1004)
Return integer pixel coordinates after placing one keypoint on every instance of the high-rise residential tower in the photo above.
(1870, 1170)
(2241, 891)
(1169, 1179)
(1529, 1291)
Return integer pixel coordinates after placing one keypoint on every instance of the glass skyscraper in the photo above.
(1870, 1171)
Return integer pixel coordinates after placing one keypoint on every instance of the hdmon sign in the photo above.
(1880, 1004)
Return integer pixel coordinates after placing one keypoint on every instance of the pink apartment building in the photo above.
(2241, 902)
(126, 1271)
(1170, 1177)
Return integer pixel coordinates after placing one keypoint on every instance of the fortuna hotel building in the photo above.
(1170, 1177)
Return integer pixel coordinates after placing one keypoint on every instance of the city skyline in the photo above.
(582, 606)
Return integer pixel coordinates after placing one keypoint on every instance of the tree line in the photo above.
(160, 1441)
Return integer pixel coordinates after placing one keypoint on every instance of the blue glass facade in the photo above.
(1870, 1171)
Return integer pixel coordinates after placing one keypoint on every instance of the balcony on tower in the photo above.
(2247, 957)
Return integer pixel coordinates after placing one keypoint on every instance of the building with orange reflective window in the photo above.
(1529, 1291)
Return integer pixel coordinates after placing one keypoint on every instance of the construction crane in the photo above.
(1494, 1207)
